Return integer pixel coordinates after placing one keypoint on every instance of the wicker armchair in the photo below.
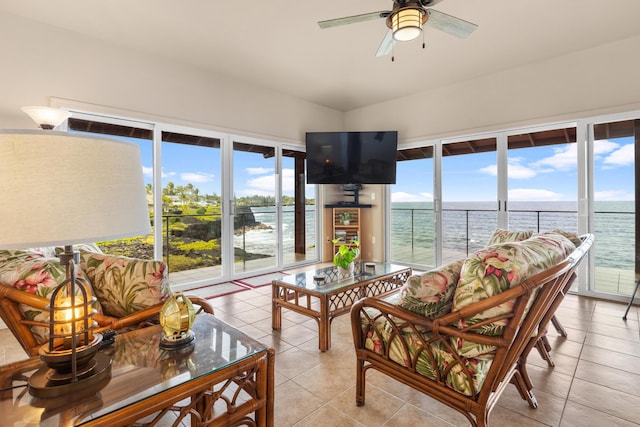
(433, 356)
(129, 291)
(13, 316)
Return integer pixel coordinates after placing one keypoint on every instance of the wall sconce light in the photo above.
(47, 117)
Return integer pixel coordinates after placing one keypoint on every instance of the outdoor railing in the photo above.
(467, 230)
(185, 244)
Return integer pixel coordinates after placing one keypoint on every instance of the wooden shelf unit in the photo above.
(350, 231)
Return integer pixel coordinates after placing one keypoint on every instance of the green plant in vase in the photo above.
(345, 218)
(347, 253)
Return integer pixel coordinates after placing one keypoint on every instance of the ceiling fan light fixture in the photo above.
(406, 24)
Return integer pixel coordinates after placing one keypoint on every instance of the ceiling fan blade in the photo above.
(450, 24)
(353, 19)
(387, 44)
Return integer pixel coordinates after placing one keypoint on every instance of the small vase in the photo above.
(346, 272)
(347, 222)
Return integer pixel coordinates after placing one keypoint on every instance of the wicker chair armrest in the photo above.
(142, 316)
(23, 297)
(403, 319)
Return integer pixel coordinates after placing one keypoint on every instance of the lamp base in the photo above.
(176, 344)
(41, 385)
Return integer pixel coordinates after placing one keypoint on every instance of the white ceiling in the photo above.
(278, 44)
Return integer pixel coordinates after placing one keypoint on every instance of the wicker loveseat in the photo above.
(129, 291)
(461, 333)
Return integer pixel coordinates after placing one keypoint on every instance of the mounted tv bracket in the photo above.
(352, 190)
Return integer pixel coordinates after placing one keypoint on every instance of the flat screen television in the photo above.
(351, 157)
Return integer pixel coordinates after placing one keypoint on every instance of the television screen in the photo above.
(351, 157)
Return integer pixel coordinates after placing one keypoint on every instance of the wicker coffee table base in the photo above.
(325, 306)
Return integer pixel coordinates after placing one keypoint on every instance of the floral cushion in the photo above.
(431, 294)
(431, 360)
(504, 236)
(125, 285)
(575, 239)
(77, 247)
(12, 254)
(32, 272)
(497, 268)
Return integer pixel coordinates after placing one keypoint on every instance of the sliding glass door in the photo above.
(298, 209)
(222, 207)
(412, 223)
(543, 180)
(519, 181)
(255, 204)
(191, 221)
(469, 196)
(615, 223)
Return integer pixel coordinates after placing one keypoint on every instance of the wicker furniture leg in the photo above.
(558, 326)
(542, 345)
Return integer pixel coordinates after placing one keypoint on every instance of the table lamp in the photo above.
(60, 189)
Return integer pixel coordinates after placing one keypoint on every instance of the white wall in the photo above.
(41, 62)
(603, 79)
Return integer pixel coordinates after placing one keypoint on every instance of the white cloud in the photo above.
(564, 158)
(623, 156)
(489, 170)
(258, 171)
(288, 181)
(402, 196)
(148, 171)
(516, 169)
(603, 146)
(262, 183)
(196, 177)
(265, 185)
(612, 195)
(533, 194)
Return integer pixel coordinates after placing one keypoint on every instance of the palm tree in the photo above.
(169, 189)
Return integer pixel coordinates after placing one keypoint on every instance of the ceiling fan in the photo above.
(405, 21)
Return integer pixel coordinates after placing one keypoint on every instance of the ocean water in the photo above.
(467, 226)
(264, 241)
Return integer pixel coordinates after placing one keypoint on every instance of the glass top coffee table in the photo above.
(226, 378)
(325, 299)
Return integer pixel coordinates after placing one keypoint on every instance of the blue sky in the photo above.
(534, 174)
(538, 173)
(200, 166)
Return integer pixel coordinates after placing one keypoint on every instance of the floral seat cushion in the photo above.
(125, 285)
(431, 357)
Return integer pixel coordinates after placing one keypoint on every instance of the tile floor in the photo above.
(596, 381)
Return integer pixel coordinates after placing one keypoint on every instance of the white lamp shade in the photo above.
(47, 117)
(60, 188)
